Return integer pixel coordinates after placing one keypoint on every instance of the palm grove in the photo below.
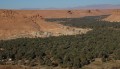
(67, 51)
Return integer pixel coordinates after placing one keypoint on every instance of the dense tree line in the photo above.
(66, 51)
(86, 22)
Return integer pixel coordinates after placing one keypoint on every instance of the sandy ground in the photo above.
(31, 23)
(114, 17)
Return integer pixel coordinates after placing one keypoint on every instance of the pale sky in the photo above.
(19, 4)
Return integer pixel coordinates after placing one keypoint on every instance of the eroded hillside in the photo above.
(31, 23)
(114, 17)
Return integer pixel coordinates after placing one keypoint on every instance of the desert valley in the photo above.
(32, 23)
(59, 34)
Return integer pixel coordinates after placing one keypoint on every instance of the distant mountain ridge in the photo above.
(99, 6)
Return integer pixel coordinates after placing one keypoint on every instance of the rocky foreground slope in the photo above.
(31, 23)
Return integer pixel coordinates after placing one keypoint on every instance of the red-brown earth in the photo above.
(31, 23)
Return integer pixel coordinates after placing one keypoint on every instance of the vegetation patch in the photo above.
(72, 51)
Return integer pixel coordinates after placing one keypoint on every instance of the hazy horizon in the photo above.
(43, 4)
